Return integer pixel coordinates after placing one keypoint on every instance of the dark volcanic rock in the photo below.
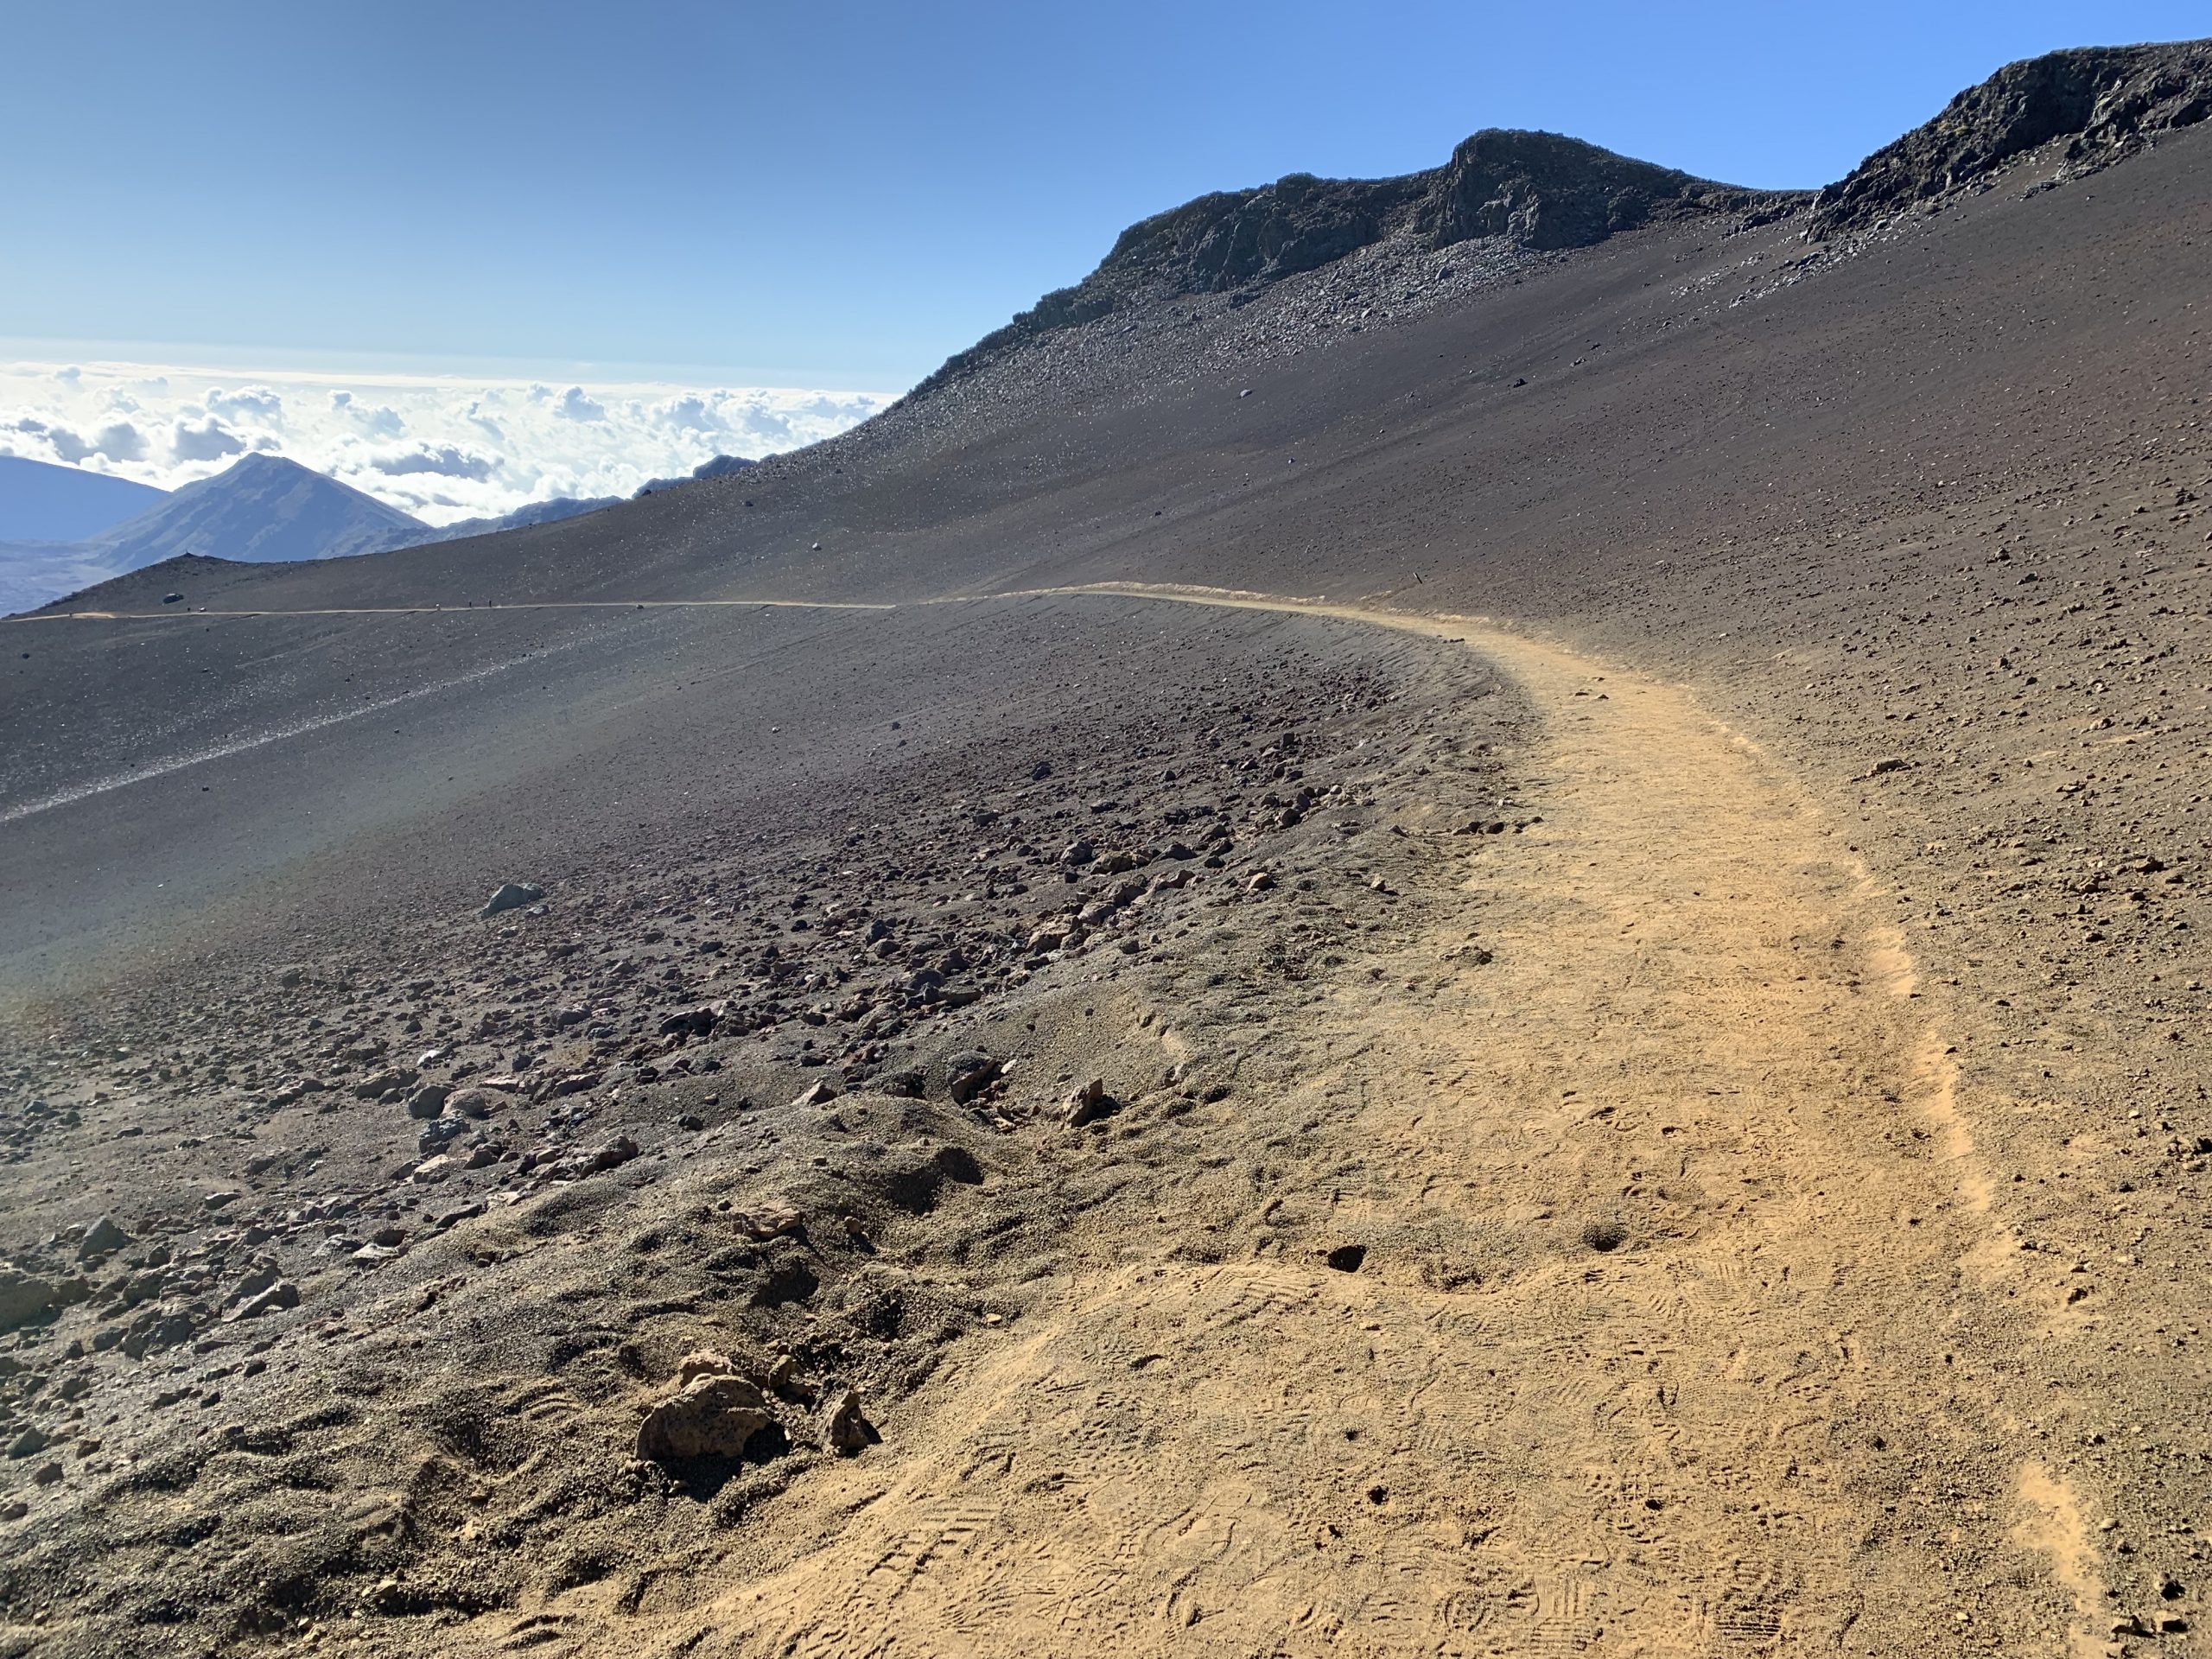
(1230, 238)
(1538, 190)
(24, 1297)
(1546, 192)
(2099, 105)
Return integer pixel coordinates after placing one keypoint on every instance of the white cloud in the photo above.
(381, 421)
(255, 404)
(445, 461)
(440, 448)
(117, 441)
(691, 414)
(208, 440)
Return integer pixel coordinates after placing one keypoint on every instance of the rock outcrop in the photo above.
(1538, 190)
(2091, 107)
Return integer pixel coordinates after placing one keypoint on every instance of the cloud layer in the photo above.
(441, 450)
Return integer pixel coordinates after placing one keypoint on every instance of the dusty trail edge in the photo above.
(181, 614)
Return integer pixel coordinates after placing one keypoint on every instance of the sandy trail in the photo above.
(1684, 1323)
(1667, 1338)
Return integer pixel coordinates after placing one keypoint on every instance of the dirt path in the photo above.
(463, 610)
(1636, 1290)
(1678, 1328)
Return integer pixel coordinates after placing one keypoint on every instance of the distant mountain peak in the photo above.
(262, 463)
(262, 508)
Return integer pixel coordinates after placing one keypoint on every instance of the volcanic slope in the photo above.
(1779, 1223)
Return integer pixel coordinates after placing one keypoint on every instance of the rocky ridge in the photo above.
(1530, 191)
(1524, 192)
(2084, 109)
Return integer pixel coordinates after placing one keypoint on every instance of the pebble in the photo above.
(767, 1221)
(281, 1295)
(511, 895)
(968, 1073)
(101, 1238)
(428, 1101)
(711, 1416)
(848, 1431)
(1086, 1104)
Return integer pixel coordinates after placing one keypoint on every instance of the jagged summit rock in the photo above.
(1545, 191)
(1538, 190)
(2094, 106)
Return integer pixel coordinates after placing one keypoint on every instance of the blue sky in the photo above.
(833, 194)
